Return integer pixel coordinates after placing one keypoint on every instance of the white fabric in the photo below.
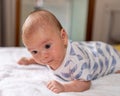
(18, 80)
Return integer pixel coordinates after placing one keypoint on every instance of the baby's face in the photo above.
(47, 47)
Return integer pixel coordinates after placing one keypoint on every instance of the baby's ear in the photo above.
(63, 33)
(64, 36)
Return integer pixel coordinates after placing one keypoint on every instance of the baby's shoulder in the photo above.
(87, 43)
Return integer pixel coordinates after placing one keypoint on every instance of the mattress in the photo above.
(31, 80)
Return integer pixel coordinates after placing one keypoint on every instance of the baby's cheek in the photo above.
(36, 59)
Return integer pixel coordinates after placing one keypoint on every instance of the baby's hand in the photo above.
(24, 61)
(55, 86)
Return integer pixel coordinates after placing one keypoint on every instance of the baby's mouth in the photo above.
(47, 62)
(50, 61)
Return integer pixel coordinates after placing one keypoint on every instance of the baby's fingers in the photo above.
(53, 86)
(23, 61)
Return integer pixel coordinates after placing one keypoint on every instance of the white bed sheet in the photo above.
(31, 80)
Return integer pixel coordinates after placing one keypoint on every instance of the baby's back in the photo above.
(103, 58)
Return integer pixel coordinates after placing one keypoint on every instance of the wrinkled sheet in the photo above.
(31, 80)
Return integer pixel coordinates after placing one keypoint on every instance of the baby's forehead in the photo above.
(32, 23)
(41, 21)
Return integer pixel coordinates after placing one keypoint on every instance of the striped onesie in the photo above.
(88, 61)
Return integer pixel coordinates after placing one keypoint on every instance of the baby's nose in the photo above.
(44, 55)
(44, 58)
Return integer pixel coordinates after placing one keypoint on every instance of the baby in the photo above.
(75, 62)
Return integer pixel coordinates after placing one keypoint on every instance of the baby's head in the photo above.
(45, 38)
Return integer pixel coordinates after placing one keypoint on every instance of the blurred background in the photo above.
(84, 20)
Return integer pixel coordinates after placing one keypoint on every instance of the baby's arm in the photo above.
(73, 86)
(26, 61)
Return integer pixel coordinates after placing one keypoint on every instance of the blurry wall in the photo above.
(79, 19)
(0, 23)
(7, 23)
(106, 26)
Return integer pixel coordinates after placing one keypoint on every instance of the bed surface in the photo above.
(31, 80)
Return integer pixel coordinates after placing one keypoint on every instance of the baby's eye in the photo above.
(34, 52)
(47, 46)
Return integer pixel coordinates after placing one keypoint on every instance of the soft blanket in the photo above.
(31, 80)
